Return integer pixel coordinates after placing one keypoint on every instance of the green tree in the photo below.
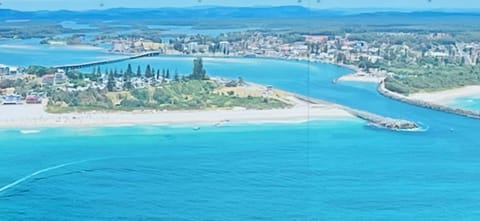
(39, 70)
(111, 82)
(148, 72)
(127, 84)
(199, 72)
(176, 76)
(98, 76)
(139, 72)
(93, 76)
(129, 71)
(241, 82)
(141, 94)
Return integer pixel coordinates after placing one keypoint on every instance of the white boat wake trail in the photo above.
(25, 178)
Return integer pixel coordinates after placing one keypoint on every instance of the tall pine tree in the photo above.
(199, 72)
(139, 72)
(111, 82)
(176, 77)
(129, 71)
(148, 72)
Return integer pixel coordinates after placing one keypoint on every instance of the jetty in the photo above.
(374, 119)
(438, 107)
(110, 61)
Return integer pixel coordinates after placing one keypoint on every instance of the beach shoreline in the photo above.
(427, 104)
(358, 75)
(445, 97)
(361, 76)
(34, 116)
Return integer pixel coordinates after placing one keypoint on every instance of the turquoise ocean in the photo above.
(316, 170)
(472, 103)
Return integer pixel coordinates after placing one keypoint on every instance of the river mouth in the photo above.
(302, 77)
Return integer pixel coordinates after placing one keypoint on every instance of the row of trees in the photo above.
(150, 72)
(198, 73)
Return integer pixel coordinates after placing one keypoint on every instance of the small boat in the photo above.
(196, 128)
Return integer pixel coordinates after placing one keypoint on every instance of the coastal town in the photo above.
(349, 48)
(375, 58)
(375, 55)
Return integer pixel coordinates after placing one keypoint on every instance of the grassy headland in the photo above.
(122, 90)
(176, 95)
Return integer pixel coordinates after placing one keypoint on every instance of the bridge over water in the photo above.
(103, 62)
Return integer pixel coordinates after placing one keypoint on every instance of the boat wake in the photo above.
(36, 173)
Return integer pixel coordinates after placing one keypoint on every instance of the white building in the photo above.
(225, 47)
(192, 47)
(9, 70)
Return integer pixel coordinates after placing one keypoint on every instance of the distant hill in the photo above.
(217, 13)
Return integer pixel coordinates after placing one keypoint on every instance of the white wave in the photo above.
(7, 46)
(23, 179)
(30, 131)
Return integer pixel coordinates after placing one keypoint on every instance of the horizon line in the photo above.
(365, 9)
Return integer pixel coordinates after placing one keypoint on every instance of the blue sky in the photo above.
(96, 4)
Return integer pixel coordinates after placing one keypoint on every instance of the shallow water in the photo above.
(472, 103)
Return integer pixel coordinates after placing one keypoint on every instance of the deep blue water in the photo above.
(321, 170)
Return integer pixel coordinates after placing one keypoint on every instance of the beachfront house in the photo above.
(268, 91)
(48, 79)
(192, 47)
(59, 77)
(119, 47)
(4, 70)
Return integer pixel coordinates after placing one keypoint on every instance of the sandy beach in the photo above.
(445, 97)
(34, 116)
(362, 77)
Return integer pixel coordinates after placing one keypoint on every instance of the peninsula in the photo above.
(49, 97)
(119, 97)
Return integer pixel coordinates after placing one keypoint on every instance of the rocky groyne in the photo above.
(463, 112)
(374, 119)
